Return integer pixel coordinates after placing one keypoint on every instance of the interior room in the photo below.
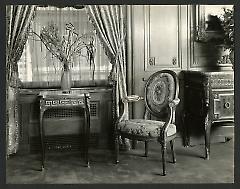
(117, 94)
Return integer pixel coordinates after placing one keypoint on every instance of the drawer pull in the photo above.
(174, 60)
(227, 105)
(151, 61)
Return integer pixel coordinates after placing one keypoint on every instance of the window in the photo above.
(37, 65)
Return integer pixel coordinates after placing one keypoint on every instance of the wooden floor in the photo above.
(69, 167)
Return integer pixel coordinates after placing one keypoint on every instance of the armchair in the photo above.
(161, 99)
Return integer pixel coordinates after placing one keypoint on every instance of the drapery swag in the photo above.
(110, 24)
(18, 18)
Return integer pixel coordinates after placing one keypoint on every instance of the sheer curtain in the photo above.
(38, 68)
(18, 18)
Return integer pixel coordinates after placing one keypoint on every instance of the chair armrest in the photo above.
(174, 102)
(126, 100)
(171, 117)
(132, 98)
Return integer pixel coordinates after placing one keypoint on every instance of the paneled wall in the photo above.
(160, 40)
(161, 37)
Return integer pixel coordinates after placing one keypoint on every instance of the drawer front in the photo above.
(223, 104)
(222, 82)
(214, 79)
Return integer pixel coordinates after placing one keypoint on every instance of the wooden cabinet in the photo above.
(51, 101)
(208, 102)
(101, 115)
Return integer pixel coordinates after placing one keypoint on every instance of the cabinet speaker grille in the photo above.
(94, 109)
(63, 112)
(73, 112)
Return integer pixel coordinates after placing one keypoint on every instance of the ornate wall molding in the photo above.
(152, 63)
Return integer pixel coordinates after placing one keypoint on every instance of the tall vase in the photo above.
(207, 54)
(66, 80)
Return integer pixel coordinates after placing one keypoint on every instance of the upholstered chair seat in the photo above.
(145, 128)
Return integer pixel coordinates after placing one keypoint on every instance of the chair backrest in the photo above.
(161, 87)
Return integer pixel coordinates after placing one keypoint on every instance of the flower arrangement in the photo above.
(220, 29)
(213, 33)
(227, 23)
(227, 20)
(218, 34)
(65, 47)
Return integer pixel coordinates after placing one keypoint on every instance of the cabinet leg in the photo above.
(86, 149)
(86, 129)
(86, 138)
(207, 138)
(117, 148)
(186, 131)
(207, 145)
(41, 131)
(146, 148)
(186, 141)
(134, 144)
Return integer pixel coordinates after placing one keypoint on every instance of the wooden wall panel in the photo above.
(161, 37)
(160, 32)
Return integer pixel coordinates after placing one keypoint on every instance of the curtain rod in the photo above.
(62, 6)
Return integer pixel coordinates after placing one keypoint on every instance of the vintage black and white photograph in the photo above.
(119, 94)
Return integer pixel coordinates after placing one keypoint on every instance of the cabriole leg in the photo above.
(146, 148)
(116, 148)
(163, 158)
(207, 137)
(41, 132)
(173, 152)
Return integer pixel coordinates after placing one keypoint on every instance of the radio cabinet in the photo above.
(208, 100)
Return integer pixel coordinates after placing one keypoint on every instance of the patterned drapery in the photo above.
(18, 18)
(109, 22)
